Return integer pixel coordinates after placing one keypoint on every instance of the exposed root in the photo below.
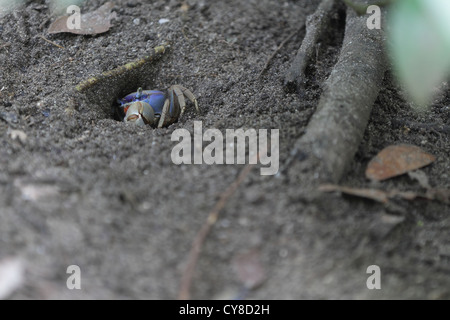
(336, 129)
(315, 26)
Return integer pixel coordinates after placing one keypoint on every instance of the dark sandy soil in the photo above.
(84, 189)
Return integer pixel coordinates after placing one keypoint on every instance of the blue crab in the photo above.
(156, 108)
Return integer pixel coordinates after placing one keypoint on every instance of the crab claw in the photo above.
(140, 113)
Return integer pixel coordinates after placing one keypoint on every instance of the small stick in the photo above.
(188, 274)
(266, 66)
(51, 42)
(158, 51)
(337, 127)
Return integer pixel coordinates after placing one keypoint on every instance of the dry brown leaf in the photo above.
(397, 160)
(94, 22)
(373, 194)
(442, 195)
(249, 269)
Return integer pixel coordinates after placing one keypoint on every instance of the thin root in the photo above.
(51, 42)
(266, 66)
(188, 274)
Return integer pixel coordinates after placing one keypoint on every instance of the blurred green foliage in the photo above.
(419, 46)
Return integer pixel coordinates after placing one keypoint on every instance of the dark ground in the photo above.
(85, 189)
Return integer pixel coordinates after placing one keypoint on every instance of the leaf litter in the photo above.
(397, 160)
(391, 162)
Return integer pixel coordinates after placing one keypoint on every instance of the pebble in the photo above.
(18, 135)
(162, 21)
(9, 117)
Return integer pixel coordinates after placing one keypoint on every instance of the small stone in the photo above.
(18, 135)
(11, 276)
(131, 4)
(70, 111)
(9, 117)
(137, 21)
(162, 21)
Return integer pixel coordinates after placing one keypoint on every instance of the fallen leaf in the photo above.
(249, 269)
(11, 276)
(442, 195)
(397, 160)
(94, 22)
(373, 194)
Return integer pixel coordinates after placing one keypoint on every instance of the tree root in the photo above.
(315, 26)
(336, 129)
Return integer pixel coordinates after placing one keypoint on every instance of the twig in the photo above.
(266, 66)
(188, 274)
(157, 52)
(315, 26)
(51, 42)
(44, 23)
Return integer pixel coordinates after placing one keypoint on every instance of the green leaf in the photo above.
(419, 45)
